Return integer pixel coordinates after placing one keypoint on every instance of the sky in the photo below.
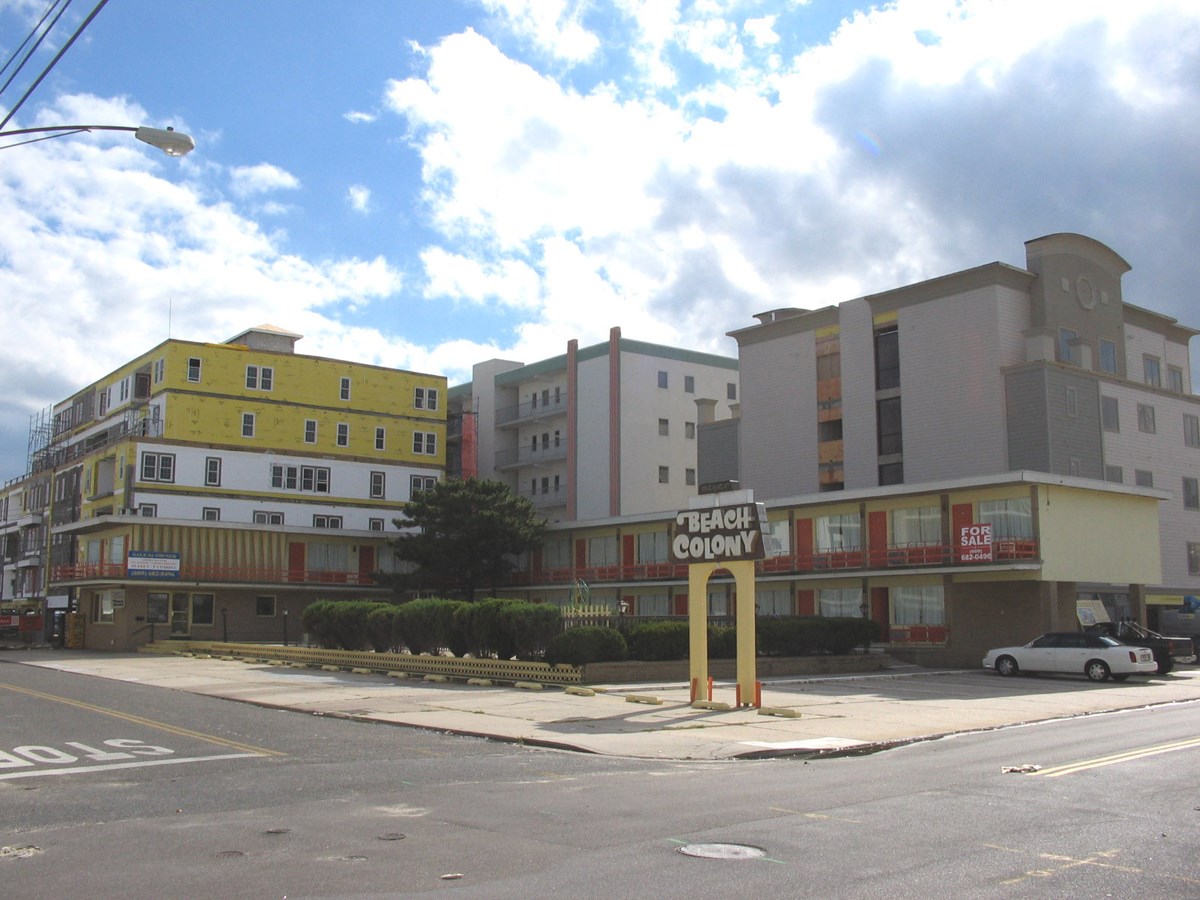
(426, 184)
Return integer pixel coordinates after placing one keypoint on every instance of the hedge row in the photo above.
(496, 627)
(516, 628)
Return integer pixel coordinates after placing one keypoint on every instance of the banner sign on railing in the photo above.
(150, 564)
(975, 543)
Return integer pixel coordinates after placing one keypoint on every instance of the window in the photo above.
(149, 510)
(774, 602)
(259, 378)
(653, 547)
(158, 467)
(1115, 474)
(916, 527)
(1011, 520)
(102, 607)
(689, 384)
(375, 524)
(557, 438)
(1110, 417)
(533, 400)
(310, 431)
(839, 533)
(377, 484)
(344, 389)
(327, 557)
(193, 369)
(887, 359)
(212, 471)
(157, 605)
(1193, 555)
(1066, 350)
(1108, 357)
(664, 427)
(380, 438)
(839, 602)
(327, 521)
(1175, 379)
(662, 379)
(1146, 418)
(689, 477)
(122, 390)
(425, 398)
(418, 483)
(919, 605)
(426, 442)
(210, 514)
(203, 609)
(891, 441)
(263, 517)
(1152, 370)
(689, 430)
(829, 431)
(1143, 478)
(343, 434)
(248, 425)
(602, 551)
(664, 475)
(545, 440)
(305, 478)
(1191, 493)
(1072, 403)
(731, 391)
(1191, 430)
(102, 398)
(160, 370)
(264, 606)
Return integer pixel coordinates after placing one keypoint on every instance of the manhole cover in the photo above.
(723, 851)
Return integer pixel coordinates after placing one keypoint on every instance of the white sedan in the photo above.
(1097, 656)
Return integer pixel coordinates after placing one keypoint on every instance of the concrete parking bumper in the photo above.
(800, 716)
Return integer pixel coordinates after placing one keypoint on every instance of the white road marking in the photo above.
(78, 770)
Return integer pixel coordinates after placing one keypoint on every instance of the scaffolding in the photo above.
(41, 432)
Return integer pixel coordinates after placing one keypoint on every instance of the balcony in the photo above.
(214, 574)
(527, 456)
(530, 412)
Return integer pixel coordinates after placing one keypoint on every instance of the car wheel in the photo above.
(1006, 665)
(1119, 677)
(1165, 662)
(1096, 670)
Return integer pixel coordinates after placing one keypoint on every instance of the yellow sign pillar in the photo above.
(747, 673)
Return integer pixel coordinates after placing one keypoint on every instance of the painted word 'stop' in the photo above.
(725, 533)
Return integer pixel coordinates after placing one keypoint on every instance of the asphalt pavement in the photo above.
(812, 715)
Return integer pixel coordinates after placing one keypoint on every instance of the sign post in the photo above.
(721, 531)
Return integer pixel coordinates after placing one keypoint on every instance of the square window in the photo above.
(664, 475)
(662, 379)
(248, 425)
(1115, 474)
(1143, 478)
(149, 510)
(375, 524)
(264, 606)
(663, 427)
(210, 514)
(327, 521)
(263, 517)
(252, 377)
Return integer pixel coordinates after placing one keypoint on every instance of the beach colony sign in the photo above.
(719, 534)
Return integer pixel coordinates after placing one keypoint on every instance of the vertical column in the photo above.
(614, 422)
(698, 628)
(747, 673)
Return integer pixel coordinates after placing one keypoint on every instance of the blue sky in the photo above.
(429, 183)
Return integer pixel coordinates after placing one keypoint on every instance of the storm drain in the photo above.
(723, 851)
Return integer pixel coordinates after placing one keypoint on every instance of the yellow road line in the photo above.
(1086, 764)
(149, 723)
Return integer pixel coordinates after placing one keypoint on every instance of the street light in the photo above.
(168, 140)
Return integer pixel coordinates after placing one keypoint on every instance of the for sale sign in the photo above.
(975, 543)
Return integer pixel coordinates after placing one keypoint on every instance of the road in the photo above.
(111, 789)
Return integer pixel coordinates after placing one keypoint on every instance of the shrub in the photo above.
(807, 635)
(722, 642)
(416, 625)
(506, 628)
(658, 640)
(317, 620)
(586, 644)
(379, 628)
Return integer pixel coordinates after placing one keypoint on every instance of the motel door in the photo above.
(181, 616)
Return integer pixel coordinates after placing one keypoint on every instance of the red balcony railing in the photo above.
(204, 573)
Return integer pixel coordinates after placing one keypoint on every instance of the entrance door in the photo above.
(181, 616)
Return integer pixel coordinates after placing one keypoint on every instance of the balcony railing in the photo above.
(202, 573)
(907, 557)
(526, 456)
(526, 412)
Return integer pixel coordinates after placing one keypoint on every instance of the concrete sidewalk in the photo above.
(827, 714)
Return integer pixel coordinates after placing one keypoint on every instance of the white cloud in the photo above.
(359, 198)
(360, 118)
(553, 26)
(263, 178)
